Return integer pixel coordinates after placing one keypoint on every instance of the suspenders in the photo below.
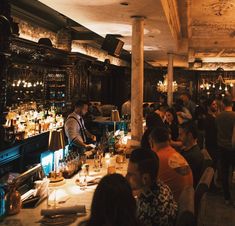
(83, 133)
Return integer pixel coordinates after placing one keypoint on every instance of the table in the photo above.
(69, 191)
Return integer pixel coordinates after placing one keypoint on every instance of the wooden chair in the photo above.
(208, 162)
(186, 208)
(202, 188)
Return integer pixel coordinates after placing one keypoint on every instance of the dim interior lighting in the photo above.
(201, 86)
(163, 86)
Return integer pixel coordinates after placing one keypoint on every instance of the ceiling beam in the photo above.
(84, 36)
(171, 11)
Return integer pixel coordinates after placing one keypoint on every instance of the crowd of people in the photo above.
(170, 159)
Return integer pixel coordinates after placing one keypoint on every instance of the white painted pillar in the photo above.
(170, 80)
(137, 78)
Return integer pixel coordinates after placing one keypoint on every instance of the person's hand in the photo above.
(93, 137)
(179, 113)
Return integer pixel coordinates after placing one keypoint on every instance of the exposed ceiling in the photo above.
(192, 29)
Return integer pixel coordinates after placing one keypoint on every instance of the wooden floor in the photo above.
(214, 212)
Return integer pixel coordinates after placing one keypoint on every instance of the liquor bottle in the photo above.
(2, 203)
(13, 200)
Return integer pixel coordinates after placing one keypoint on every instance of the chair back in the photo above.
(207, 159)
(186, 208)
(203, 187)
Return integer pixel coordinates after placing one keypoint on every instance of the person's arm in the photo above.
(91, 136)
(186, 114)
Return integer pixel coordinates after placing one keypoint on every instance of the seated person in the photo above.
(155, 203)
(191, 151)
(174, 169)
(153, 120)
(113, 203)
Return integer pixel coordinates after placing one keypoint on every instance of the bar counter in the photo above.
(70, 193)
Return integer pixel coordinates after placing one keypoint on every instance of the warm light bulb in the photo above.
(37, 83)
(13, 84)
(34, 84)
(213, 86)
(231, 84)
(220, 88)
(226, 88)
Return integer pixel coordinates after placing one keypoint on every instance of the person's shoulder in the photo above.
(83, 223)
(163, 187)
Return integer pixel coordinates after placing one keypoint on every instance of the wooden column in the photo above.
(137, 78)
(170, 80)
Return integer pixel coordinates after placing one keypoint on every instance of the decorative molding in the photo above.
(214, 66)
(171, 11)
(218, 7)
(101, 55)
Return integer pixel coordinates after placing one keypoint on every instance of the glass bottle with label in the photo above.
(13, 200)
(2, 203)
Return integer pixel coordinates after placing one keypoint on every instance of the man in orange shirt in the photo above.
(174, 170)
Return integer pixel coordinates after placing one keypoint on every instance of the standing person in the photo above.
(113, 203)
(126, 106)
(155, 202)
(174, 169)
(191, 151)
(183, 114)
(188, 103)
(163, 100)
(75, 129)
(211, 130)
(225, 123)
(172, 123)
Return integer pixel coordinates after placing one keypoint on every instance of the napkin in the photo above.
(64, 210)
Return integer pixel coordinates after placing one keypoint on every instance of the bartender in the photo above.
(75, 128)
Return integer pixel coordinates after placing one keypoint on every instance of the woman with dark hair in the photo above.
(152, 121)
(113, 203)
(172, 123)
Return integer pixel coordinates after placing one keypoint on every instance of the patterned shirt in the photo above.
(157, 207)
